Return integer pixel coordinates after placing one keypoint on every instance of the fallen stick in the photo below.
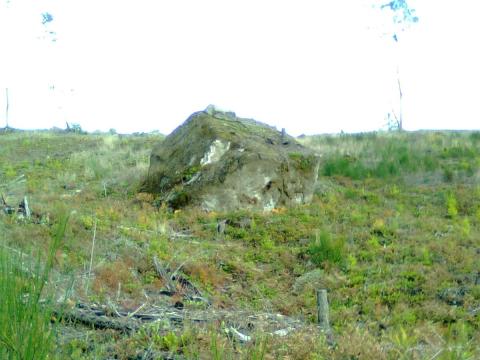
(175, 278)
(97, 320)
(122, 321)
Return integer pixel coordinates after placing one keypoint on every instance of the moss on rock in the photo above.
(224, 162)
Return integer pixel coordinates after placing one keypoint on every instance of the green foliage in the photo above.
(179, 199)
(465, 227)
(171, 342)
(302, 162)
(159, 246)
(426, 257)
(452, 207)
(361, 157)
(9, 172)
(325, 249)
(403, 342)
(25, 329)
(223, 350)
(411, 284)
(217, 351)
(190, 172)
(448, 174)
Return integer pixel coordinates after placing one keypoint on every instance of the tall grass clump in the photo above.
(26, 332)
(325, 249)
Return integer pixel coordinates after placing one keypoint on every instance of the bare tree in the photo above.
(6, 110)
(402, 17)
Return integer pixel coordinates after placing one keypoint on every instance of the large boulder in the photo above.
(220, 162)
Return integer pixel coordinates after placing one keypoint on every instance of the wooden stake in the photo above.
(221, 225)
(322, 310)
(28, 213)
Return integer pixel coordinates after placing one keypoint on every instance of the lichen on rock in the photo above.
(215, 152)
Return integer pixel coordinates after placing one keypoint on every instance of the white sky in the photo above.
(311, 66)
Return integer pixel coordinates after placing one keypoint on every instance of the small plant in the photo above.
(267, 244)
(452, 208)
(403, 343)
(465, 227)
(217, 348)
(258, 350)
(324, 249)
(426, 257)
(448, 174)
(394, 191)
(171, 342)
(302, 162)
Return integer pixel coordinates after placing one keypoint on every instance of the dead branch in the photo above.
(171, 281)
(237, 335)
(97, 319)
(123, 321)
(163, 273)
(6, 208)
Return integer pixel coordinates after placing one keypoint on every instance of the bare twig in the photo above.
(174, 274)
(400, 93)
(192, 293)
(162, 272)
(91, 257)
(112, 305)
(238, 335)
(436, 354)
(132, 314)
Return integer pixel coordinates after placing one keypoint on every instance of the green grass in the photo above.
(324, 249)
(25, 316)
(386, 156)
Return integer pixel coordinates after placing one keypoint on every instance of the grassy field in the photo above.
(393, 234)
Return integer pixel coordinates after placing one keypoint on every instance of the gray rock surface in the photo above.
(218, 161)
